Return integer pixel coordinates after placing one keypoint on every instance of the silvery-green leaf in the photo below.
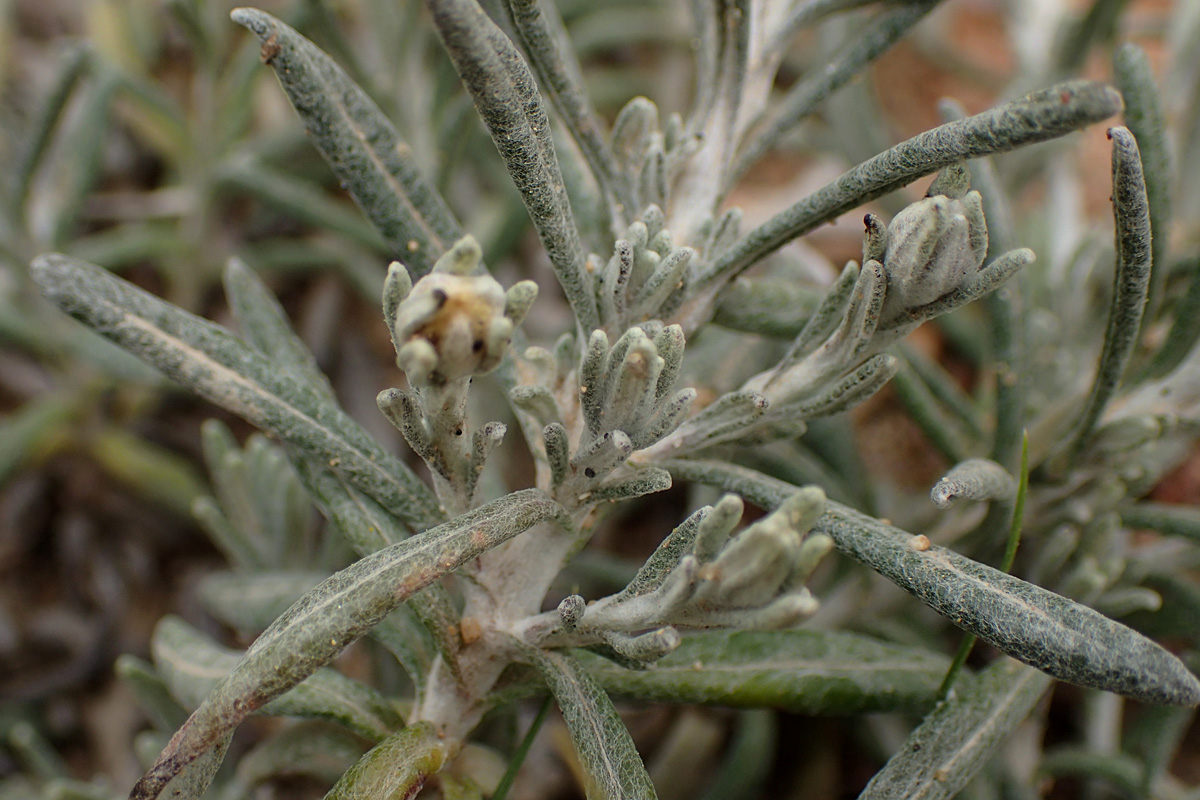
(955, 740)
(216, 365)
(252, 601)
(1131, 284)
(266, 327)
(1045, 630)
(394, 769)
(507, 99)
(805, 672)
(1036, 117)
(151, 691)
(308, 749)
(334, 614)
(612, 767)
(360, 144)
(1172, 520)
(192, 665)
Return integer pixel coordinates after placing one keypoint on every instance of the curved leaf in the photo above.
(1036, 117)
(334, 614)
(959, 737)
(251, 602)
(394, 769)
(360, 144)
(310, 749)
(805, 672)
(1042, 629)
(613, 768)
(218, 366)
(192, 665)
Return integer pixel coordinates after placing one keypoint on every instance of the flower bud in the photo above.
(933, 246)
(453, 324)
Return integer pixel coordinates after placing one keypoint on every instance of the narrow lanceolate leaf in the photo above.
(1173, 520)
(1036, 117)
(265, 326)
(252, 601)
(1131, 282)
(396, 768)
(307, 749)
(805, 672)
(1145, 118)
(336, 613)
(360, 144)
(507, 99)
(961, 735)
(612, 767)
(74, 65)
(544, 39)
(218, 366)
(1058, 636)
(192, 665)
(153, 696)
(866, 44)
(1045, 630)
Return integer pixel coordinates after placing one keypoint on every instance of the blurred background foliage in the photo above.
(145, 136)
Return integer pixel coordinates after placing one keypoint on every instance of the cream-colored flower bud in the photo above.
(453, 324)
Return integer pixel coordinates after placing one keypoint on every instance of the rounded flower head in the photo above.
(453, 324)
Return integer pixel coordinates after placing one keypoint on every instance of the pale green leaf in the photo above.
(337, 612)
(612, 767)
(218, 366)
(1058, 636)
(396, 768)
(360, 144)
(314, 750)
(252, 601)
(805, 672)
(959, 737)
(192, 665)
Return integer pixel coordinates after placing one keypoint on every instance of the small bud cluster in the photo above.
(934, 245)
(704, 576)
(453, 324)
(646, 277)
(927, 262)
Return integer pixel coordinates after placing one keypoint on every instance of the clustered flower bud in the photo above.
(935, 244)
(752, 579)
(453, 324)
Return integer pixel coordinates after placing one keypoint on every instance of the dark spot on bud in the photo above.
(458, 431)
(439, 296)
(477, 346)
(589, 472)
